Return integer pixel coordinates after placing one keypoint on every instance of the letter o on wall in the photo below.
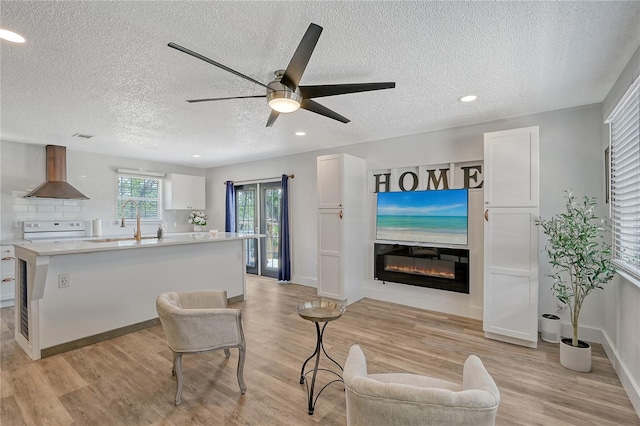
(401, 181)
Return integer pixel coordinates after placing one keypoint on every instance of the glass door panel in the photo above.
(270, 225)
(247, 223)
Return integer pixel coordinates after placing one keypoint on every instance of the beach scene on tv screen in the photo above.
(437, 216)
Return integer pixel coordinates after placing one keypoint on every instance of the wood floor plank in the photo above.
(10, 412)
(127, 380)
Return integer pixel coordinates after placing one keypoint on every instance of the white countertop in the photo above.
(52, 248)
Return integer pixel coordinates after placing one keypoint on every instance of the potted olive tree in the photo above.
(582, 262)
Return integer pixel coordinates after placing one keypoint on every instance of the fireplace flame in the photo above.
(414, 270)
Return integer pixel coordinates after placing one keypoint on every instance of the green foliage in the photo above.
(577, 250)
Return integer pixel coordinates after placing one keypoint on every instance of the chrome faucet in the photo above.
(138, 233)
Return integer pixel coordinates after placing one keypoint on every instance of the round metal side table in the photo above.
(319, 311)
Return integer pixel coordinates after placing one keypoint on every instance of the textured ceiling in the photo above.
(104, 69)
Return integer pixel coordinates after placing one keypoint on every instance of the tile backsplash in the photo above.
(44, 208)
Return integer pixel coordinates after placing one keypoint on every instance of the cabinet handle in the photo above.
(9, 258)
(6, 280)
(340, 214)
(486, 215)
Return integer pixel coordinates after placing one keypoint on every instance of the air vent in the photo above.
(82, 135)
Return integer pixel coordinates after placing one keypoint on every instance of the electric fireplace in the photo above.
(434, 267)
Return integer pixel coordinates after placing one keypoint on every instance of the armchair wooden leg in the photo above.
(241, 353)
(177, 367)
(173, 369)
(227, 353)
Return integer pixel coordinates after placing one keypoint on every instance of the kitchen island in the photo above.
(70, 294)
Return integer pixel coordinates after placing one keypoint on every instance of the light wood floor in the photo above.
(127, 380)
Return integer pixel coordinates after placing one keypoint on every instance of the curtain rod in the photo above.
(258, 180)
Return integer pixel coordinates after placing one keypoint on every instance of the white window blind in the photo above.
(146, 191)
(624, 124)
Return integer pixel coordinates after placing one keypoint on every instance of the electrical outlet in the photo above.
(63, 281)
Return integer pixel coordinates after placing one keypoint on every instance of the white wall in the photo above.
(621, 304)
(302, 196)
(570, 157)
(23, 168)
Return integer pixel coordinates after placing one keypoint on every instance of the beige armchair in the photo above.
(410, 399)
(199, 321)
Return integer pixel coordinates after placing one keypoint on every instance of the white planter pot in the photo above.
(550, 328)
(575, 358)
(198, 228)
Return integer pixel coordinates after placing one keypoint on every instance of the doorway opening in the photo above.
(258, 210)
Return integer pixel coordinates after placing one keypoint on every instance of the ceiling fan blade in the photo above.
(224, 99)
(212, 62)
(272, 118)
(313, 106)
(300, 58)
(342, 89)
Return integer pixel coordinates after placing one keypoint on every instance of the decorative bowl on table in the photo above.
(320, 310)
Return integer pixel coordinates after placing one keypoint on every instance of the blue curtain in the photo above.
(284, 252)
(230, 210)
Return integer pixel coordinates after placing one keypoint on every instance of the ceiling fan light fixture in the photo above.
(281, 98)
(284, 105)
(284, 101)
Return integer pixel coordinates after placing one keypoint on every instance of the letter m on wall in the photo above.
(437, 179)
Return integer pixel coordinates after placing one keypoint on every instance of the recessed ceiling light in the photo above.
(300, 133)
(11, 36)
(468, 98)
(196, 156)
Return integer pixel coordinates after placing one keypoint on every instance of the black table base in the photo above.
(303, 374)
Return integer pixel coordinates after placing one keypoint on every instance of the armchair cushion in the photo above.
(409, 399)
(191, 327)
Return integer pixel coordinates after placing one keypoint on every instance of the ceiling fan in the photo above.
(284, 93)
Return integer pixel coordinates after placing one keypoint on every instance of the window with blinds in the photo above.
(146, 191)
(624, 125)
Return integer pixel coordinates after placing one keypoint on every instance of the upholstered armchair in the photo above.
(199, 321)
(410, 399)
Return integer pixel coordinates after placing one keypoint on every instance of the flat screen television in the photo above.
(435, 216)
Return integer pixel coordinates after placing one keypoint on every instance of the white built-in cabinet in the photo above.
(511, 201)
(8, 276)
(341, 231)
(184, 192)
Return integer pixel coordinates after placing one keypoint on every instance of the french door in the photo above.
(258, 210)
(247, 222)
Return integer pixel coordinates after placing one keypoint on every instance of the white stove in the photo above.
(52, 230)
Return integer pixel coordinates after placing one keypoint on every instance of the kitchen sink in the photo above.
(110, 240)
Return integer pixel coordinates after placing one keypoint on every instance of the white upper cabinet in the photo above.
(330, 181)
(185, 192)
(511, 168)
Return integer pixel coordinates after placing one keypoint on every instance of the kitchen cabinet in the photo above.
(185, 192)
(7, 276)
(341, 181)
(511, 197)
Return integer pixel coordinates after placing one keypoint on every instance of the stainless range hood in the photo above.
(56, 185)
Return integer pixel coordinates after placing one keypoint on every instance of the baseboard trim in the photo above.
(90, 340)
(305, 281)
(512, 340)
(628, 383)
(7, 303)
(235, 299)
